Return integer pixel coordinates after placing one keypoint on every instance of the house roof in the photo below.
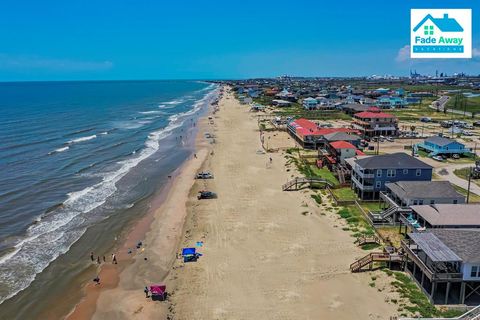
(433, 247)
(342, 145)
(467, 215)
(462, 242)
(368, 114)
(305, 127)
(356, 107)
(423, 189)
(398, 160)
(341, 135)
(445, 24)
(440, 141)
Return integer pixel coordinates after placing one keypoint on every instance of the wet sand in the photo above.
(263, 257)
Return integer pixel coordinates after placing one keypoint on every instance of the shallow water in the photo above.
(76, 159)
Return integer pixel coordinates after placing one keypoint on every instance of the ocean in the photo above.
(76, 157)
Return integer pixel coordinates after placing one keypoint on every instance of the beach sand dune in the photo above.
(262, 258)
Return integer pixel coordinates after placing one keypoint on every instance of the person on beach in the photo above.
(104, 259)
(146, 292)
(114, 258)
(98, 259)
(96, 280)
(91, 256)
(195, 155)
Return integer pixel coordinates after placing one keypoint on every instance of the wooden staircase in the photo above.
(297, 183)
(372, 257)
(366, 240)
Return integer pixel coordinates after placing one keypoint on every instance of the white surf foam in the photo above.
(59, 150)
(82, 139)
(54, 234)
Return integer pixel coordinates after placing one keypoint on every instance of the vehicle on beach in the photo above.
(204, 175)
(206, 195)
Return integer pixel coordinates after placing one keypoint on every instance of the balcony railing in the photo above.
(431, 274)
(360, 185)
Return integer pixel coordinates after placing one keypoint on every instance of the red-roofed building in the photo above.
(342, 150)
(310, 136)
(376, 123)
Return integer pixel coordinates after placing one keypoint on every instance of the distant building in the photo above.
(391, 102)
(376, 123)
(310, 136)
(442, 146)
(310, 103)
(281, 103)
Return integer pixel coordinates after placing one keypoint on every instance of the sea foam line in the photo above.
(51, 236)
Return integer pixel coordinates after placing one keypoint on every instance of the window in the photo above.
(455, 201)
(378, 184)
(379, 172)
(428, 30)
(420, 202)
(432, 201)
(391, 173)
(474, 272)
(415, 202)
(418, 173)
(405, 171)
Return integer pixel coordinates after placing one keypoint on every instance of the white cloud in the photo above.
(29, 62)
(475, 53)
(403, 54)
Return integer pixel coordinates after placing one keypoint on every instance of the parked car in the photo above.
(455, 156)
(467, 133)
(476, 123)
(204, 175)
(438, 158)
(390, 139)
(425, 119)
(206, 195)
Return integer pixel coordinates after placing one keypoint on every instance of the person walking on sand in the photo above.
(91, 256)
(146, 292)
(114, 258)
(98, 259)
(96, 280)
(195, 155)
(104, 259)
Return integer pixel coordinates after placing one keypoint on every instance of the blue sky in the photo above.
(191, 39)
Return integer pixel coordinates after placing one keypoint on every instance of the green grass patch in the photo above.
(344, 194)
(356, 221)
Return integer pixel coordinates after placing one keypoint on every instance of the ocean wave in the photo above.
(173, 102)
(62, 149)
(82, 139)
(152, 112)
(53, 234)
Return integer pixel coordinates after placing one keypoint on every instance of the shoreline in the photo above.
(111, 275)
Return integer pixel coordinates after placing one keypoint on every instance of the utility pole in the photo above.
(469, 182)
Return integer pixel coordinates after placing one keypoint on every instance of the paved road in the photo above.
(448, 175)
(442, 104)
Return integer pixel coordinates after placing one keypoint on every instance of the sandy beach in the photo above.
(263, 256)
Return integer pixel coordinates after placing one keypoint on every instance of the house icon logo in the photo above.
(441, 33)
